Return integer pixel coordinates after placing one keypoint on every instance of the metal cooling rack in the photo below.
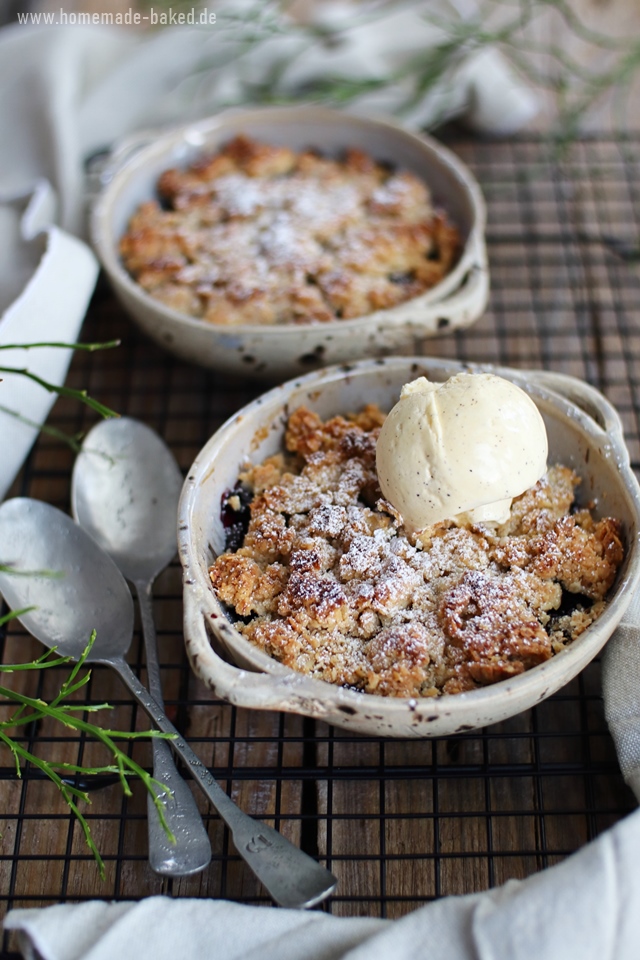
(399, 822)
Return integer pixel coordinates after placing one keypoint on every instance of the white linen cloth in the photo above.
(621, 688)
(53, 275)
(586, 908)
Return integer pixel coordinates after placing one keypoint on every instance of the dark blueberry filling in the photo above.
(235, 520)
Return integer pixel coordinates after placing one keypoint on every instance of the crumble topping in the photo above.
(260, 234)
(328, 582)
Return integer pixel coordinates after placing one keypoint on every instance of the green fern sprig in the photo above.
(30, 710)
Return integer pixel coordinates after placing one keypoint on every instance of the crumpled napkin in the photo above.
(46, 280)
(585, 907)
(621, 688)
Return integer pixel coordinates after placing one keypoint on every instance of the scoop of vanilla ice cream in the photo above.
(460, 450)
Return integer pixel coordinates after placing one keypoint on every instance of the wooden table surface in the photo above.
(399, 822)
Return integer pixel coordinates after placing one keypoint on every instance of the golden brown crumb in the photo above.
(335, 588)
(263, 235)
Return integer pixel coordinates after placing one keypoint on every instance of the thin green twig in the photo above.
(16, 572)
(74, 442)
(81, 395)
(88, 347)
(42, 662)
(30, 709)
(67, 791)
(14, 614)
(63, 391)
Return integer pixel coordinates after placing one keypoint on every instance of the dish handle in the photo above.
(468, 301)
(584, 396)
(102, 166)
(242, 688)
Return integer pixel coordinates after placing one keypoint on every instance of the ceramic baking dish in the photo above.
(286, 350)
(584, 433)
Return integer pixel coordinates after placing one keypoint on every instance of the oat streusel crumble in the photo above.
(263, 235)
(328, 582)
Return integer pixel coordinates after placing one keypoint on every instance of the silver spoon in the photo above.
(92, 594)
(125, 490)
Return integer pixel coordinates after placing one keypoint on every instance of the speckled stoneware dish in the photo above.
(584, 433)
(275, 352)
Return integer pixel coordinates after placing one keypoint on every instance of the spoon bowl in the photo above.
(126, 487)
(72, 586)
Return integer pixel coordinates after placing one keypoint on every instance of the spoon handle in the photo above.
(292, 878)
(191, 851)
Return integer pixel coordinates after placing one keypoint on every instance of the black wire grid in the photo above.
(399, 822)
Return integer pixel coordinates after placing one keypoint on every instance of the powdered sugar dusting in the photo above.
(260, 234)
(337, 589)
